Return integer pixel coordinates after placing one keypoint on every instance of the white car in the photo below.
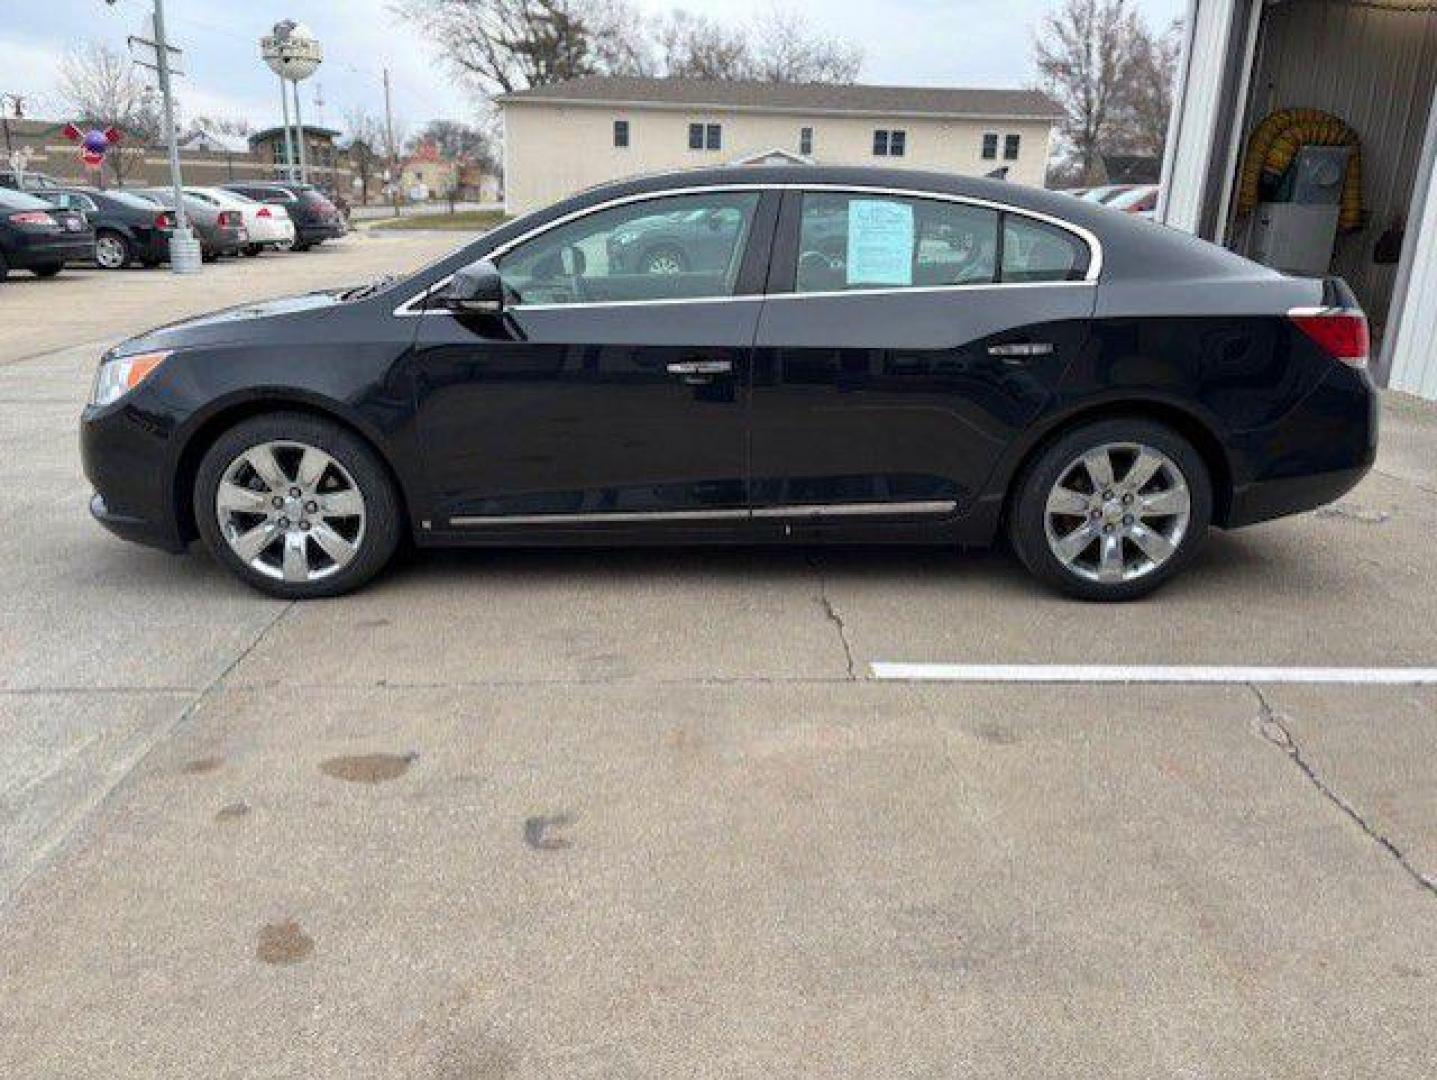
(268, 224)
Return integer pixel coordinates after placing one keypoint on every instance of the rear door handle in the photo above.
(699, 371)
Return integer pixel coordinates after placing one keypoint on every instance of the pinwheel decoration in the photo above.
(94, 144)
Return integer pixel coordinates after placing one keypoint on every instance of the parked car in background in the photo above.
(1075, 192)
(129, 228)
(27, 181)
(989, 359)
(1141, 200)
(1107, 193)
(220, 232)
(40, 237)
(268, 224)
(316, 219)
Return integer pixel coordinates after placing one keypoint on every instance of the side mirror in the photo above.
(476, 288)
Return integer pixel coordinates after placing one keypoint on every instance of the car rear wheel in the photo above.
(112, 251)
(296, 506)
(251, 250)
(1112, 509)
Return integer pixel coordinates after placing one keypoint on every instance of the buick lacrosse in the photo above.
(755, 354)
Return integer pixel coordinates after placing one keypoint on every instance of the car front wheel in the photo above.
(297, 506)
(1111, 510)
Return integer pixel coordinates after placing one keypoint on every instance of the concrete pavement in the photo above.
(643, 813)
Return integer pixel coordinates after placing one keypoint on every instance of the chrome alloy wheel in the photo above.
(290, 511)
(1117, 513)
(110, 252)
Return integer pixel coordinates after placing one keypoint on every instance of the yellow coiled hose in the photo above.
(1276, 141)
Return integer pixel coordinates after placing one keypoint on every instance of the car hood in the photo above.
(235, 324)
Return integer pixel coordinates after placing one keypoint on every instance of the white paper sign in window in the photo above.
(880, 242)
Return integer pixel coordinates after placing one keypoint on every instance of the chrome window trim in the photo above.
(928, 507)
(408, 308)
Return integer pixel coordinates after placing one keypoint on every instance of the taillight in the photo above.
(163, 220)
(228, 219)
(32, 217)
(263, 211)
(1339, 332)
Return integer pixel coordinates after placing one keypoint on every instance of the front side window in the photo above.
(675, 248)
(860, 241)
(1010, 147)
(990, 146)
(1034, 251)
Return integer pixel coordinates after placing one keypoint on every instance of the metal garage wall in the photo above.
(1376, 67)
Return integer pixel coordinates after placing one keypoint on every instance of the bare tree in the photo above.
(102, 89)
(693, 47)
(458, 141)
(1146, 99)
(505, 45)
(366, 147)
(1085, 55)
(785, 52)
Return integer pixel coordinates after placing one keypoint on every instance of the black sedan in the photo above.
(974, 359)
(316, 219)
(129, 228)
(38, 236)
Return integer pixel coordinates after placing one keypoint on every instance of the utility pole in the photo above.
(393, 150)
(299, 132)
(184, 249)
(18, 102)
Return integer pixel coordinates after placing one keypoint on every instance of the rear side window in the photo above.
(1035, 251)
(18, 200)
(861, 241)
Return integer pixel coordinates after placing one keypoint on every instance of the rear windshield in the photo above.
(132, 200)
(18, 200)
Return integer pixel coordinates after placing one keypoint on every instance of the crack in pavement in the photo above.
(1271, 728)
(831, 613)
(14, 878)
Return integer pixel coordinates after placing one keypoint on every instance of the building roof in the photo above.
(311, 130)
(808, 98)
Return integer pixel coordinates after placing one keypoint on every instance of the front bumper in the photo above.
(125, 453)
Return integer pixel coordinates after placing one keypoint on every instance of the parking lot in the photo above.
(652, 812)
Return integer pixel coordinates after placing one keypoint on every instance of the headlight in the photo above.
(122, 374)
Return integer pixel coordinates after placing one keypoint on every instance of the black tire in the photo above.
(117, 240)
(4, 267)
(384, 519)
(251, 250)
(663, 255)
(301, 245)
(47, 270)
(1027, 519)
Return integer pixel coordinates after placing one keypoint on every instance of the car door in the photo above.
(905, 341)
(607, 393)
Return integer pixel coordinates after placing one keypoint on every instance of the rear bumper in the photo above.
(46, 249)
(1314, 455)
(310, 232)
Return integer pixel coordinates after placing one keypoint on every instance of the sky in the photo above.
(907, 42)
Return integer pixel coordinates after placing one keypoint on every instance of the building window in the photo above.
(1010, 148)
(621, 133)
(889, 143)
(705, 136)
(805, 141)
(990, 146)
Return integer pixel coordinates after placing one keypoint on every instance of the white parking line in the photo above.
(1099, 673)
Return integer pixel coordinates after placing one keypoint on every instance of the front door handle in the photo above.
(1016, 352)
(697, 372)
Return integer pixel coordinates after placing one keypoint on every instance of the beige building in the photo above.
(561, 138)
